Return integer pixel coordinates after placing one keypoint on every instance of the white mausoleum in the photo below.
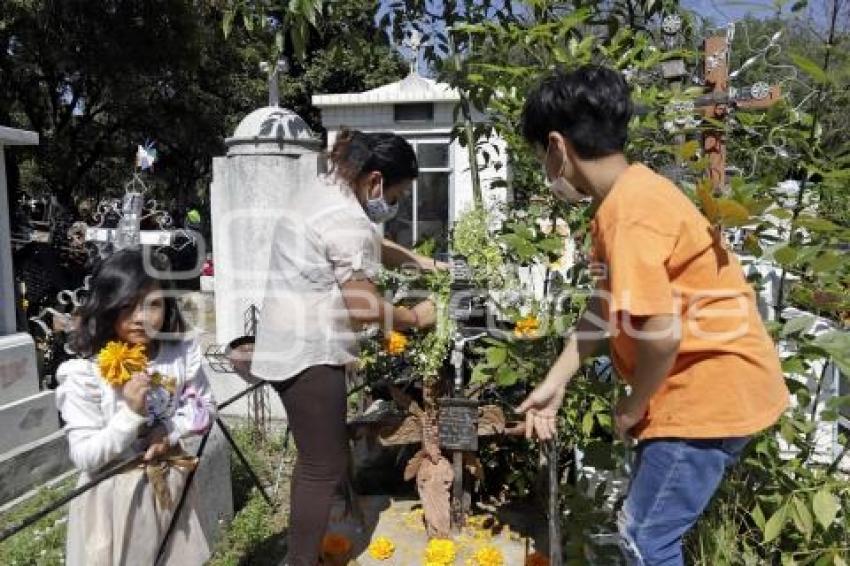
(422, 111)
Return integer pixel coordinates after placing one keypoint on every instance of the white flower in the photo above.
(545, 225)
(561, 227)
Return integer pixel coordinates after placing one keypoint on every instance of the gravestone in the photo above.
(271, 155)
(32, 448)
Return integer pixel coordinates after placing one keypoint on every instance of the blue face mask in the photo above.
(378, 210)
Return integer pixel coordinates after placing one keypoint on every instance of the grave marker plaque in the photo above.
(458, 424)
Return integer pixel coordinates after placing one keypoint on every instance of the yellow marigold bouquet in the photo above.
(440, 552)
(119, 361)
(381, 548)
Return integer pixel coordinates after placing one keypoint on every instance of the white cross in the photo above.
(414, 42)
(282, 66)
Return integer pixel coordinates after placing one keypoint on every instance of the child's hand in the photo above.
(135, 393)
(541, 409)
(157, 443)
(627, 414)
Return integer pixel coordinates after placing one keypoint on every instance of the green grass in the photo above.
(41, 544)
(257, 534)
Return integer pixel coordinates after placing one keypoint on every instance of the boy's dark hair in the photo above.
(355, 153)
(589, 106)
(117, 283)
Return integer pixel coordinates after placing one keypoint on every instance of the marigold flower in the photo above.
(526, 327)
(119, 361)
(440, 552)
(488, 556)
(381, 548)
(536, 559)
(336, 545)
(395, 343)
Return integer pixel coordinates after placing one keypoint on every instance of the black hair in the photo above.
(355, 153)
(118, 283)
(590, 106)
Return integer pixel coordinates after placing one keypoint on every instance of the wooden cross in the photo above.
(716, 103)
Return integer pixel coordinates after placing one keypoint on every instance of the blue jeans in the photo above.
(671, 485)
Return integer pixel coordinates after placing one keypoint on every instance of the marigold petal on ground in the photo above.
(488, 556)
(440, 552)
(381, 548)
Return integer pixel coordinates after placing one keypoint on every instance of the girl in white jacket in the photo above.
(123, 520)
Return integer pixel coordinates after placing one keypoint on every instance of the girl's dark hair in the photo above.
(118, 283)
(355, 153)
(590, 106)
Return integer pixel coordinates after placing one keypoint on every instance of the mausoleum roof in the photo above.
(412, 88)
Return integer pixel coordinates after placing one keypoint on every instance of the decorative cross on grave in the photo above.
(274, 71)
(128, 233)
(414, 42)
(716, 103)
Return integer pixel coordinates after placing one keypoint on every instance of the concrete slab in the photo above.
(513, 532)
(32, 464)
(18, 370)
(28, 420)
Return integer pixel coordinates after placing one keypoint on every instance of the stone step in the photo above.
(32, 464)
(28, 420)
(18, 373)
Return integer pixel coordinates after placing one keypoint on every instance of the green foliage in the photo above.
(95, 78)
(256, 535)
(41, 544)
(782, 505)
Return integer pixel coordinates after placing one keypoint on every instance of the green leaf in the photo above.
(708, 202)
(506, 376)
(248, 21)
(758, 517)
(825, 506)
(815, 224)
(786, 255)
(496, 356)
(828, 261)
(803, 518)
(552, 245)
(836, 343)
(797, 325)
(774, 525)
(810, 68)
(587, 424)
(732, 213)
(227, 22)
(520, 246)
(479, 374)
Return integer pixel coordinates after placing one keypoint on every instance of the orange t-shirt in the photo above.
(659, 256)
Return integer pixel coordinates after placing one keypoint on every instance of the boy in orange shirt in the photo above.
(681, 319)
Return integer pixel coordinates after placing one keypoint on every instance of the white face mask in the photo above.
(560, 187)
(378, 210)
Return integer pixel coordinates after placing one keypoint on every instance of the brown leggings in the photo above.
(315, 402)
